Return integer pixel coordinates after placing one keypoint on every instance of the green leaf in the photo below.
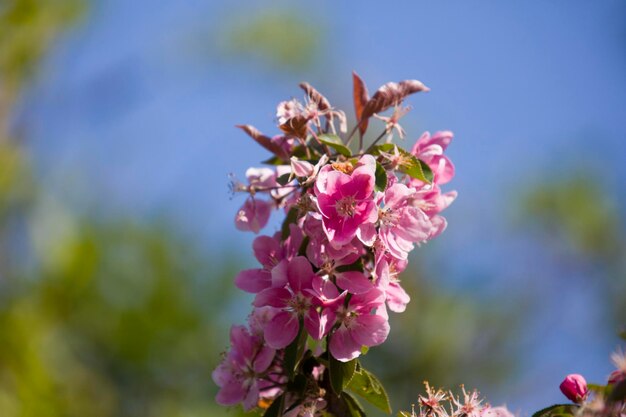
(403, 414)
(557, 410)
(410, 165)
(354, 266)
(274, 160)
(622, 334)
(283, 179)
(292, 216)
(365, 384)
(416, 168)
(341, 373)
(276, 409)
(294, 351)
(381, 178)
(385, 147)
(336, 143)
(354, 407)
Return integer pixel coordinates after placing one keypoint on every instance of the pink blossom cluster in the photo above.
(325, 282)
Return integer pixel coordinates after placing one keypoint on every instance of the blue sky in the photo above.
(135, 110)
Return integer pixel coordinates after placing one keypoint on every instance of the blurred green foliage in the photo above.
(281, 38)
(577, 216)
(116, 317)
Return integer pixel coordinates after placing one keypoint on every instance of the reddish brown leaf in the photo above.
(296, 126)
(264, 141)
(361, 97)
(389, 95)
(315, 96)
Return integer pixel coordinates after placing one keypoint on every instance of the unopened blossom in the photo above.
(345, 199)
(574, 387)
(362, 322)
(239, 375)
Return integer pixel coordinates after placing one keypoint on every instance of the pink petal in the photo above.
(370, 330)
(397, 298)
(267, 251)
(274, 297)
(231, 393)
(281, 330)
(253, 280)
(342, 345)
(263, 359)
(354, 281)
(299, 273)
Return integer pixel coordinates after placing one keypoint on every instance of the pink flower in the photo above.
(238, 375)
(362, 323)
(297, 299)
(387, 271)
(346, 200)
(430, 150)
(574, 387)
(253, 215)
(401, 222)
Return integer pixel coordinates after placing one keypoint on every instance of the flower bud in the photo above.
(574, 387)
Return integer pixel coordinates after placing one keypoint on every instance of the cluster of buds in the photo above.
(439, 403)
(327, 279)
(596, 400)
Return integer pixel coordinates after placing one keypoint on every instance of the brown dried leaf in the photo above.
(361, 97)
(315, 96)
(264, 141)
(389, 95)
(296, 126)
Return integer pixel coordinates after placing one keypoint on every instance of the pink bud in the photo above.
(574, 387)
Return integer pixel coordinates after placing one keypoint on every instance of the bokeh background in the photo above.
(117, 243)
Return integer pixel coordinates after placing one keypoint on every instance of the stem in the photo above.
(322, 144)
(375, 141)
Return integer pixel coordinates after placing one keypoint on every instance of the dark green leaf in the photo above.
(355, 266)
(385, 147)
(341, 373)
(292, 216)
(274, 160)
(276, 409)
(557, 410)
(365, 384)
(381, 178)
(294, 351)
(336, 143)
(355, 409)
(283, 179)
(622, 334)
(303, 245)
(618, 393)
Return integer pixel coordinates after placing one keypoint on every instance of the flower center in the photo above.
(300, 304)
(346, 206)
